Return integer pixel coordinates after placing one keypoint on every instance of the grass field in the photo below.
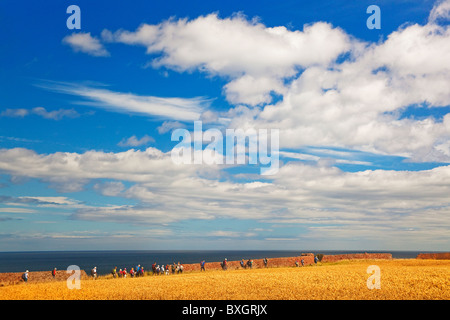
(409, 279)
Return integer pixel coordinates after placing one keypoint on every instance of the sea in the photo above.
(106, 260)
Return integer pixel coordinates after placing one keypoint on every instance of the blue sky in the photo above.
(86, 118)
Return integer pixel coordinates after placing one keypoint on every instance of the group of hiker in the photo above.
(164, 270)
(138, 271)
(244, 265)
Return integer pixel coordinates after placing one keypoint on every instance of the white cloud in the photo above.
(133, 141)
(246, 51)
(322, 198)
(229, 234)
(354, 104)
(52, 200)
(167, 126)
(111, 189)
(42, 112)
(15, 113)
(84, 42)
(440, 11)
(183, 109)
(16, 210)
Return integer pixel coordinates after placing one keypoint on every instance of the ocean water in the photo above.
(106, 260)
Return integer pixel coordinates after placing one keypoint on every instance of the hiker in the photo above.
(242, 264)
(265, 262)
(162, 270)
(174, 268)
(125, 272)
(154, 268)
(250, 263)
(114, 272)
(296, 263)
(25, 276)
(94, 273)
(167, 269)
(141, 271)
(138, 270)
(202, 266)
(303, 262)
(224, 264)
(316, 259)
(179, 268)
(132, 273)
(54, 273)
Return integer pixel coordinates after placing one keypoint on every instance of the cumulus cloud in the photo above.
(356, 102)
(248, 52)
(111, 189)
(84, 42)
(323, 199)
(359, 103)
(133, 141)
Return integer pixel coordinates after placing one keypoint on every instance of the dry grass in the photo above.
(400, 279)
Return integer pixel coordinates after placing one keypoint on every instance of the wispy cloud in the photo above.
(440, 11)
(40, 111)
(168, 126)
(174, 108)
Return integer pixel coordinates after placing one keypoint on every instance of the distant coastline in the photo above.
(105, 260)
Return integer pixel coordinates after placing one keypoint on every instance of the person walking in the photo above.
(316, 259)
(224, 264)
(167, 269)
(174, 268)
(114, 272)
(54, 273)
(137, 270)
(202, 265)
(94, 273)
(25, 276)
(265, 261)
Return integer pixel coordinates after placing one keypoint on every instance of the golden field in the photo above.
(406, 279)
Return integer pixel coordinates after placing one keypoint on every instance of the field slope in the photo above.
(400, 279)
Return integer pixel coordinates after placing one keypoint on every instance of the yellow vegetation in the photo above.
(400, 279)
